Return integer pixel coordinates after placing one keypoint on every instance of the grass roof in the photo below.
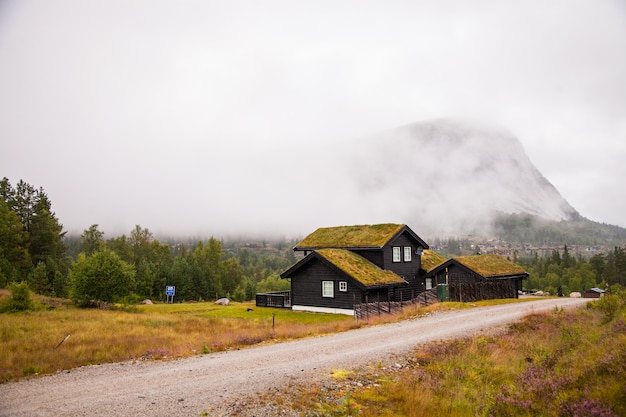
(351, 236)
(431, 260)
(490, 265)
(359, 268)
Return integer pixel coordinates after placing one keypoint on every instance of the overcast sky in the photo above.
(207, 117)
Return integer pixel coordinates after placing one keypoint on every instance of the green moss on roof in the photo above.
(351, 236)
(431, 260)
(359, 268)
(490, 265)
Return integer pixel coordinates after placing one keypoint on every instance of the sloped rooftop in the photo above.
(359, 268)
(490, 265)
(361, 236)
(431, 260)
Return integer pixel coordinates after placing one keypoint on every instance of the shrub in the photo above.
(19, 300)
(102, 276)
(131, 299)
(608, 305)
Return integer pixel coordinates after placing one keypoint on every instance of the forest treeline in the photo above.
(527, 228)
(34, 249)
(575, 273)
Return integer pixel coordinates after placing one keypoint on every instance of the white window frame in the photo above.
(343, 286)
(328, 289)
(396, 255)
(407, 253)
(429, 283)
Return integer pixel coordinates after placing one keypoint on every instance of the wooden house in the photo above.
(348, 265)
(479, 277)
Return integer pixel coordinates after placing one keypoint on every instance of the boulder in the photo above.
(146, 301)
(575, 295)
(223, 301)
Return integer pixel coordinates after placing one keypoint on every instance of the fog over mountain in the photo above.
(449, 177)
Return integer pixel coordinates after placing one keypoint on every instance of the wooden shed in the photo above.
(479, 277)
(593, 293)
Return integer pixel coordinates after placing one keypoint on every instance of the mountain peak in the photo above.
(451, 176)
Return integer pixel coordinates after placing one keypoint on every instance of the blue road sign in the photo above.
(170, 290)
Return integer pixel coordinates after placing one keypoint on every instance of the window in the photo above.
(396, 254)
(328, 289)
(429, 283)
(407, 254)
(343, 286)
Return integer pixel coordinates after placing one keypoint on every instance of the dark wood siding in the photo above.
(383, 258)
(402, 268)
(470, 286)
(407, 270)
(306, 287)
(591, 294)
(379, 294)
(374, 256)
(457, 275)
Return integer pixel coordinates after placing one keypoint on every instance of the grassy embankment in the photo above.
(562, 363)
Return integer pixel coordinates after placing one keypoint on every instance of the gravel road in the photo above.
(191, 386)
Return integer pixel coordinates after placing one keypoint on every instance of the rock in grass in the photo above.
(223, 301)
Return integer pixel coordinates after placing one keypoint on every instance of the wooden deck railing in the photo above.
(365, 310)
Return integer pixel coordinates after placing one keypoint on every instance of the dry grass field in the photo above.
(66, 337)
(59, 336)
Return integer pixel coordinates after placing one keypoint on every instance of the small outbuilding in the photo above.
(593, 293)
(479, 277)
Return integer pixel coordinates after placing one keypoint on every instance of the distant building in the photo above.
(593, 293)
